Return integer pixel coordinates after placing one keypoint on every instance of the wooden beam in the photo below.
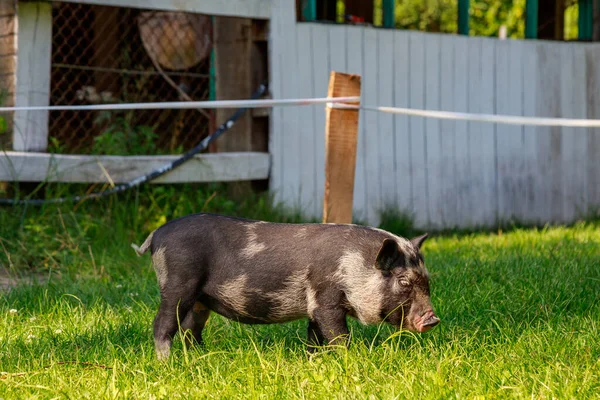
(8, 70)
(259, 9)
(34, 56)
(241, 65)
(40, 167)
(341, 135)
(233, 45)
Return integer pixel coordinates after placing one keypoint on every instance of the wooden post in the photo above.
(240, 55)
(341, 136)
(34, 56)
(8, 63)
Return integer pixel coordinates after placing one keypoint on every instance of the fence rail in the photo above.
(44, 167)
(259, 9)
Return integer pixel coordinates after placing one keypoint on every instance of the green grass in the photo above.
(520, 316)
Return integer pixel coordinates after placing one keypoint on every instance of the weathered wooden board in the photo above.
(34, 43)
(530, 195)
(259, 9)
(592, 61)
(354, 41)
(461, 132)
(449, 198)
(216, 167)
(418, 162)
(433, 145)
(401, 85)
(371, 127)
(385, 130)
(306, 130)
(484, 157)
(320, 83)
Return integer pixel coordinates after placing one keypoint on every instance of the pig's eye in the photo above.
(404, 282)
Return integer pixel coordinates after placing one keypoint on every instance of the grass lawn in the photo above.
(520, 316)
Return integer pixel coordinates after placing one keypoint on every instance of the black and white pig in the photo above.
(259, 272)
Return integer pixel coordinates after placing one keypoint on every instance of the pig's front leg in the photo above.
(329, 323)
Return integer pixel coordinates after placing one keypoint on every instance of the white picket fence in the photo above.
(445, 173)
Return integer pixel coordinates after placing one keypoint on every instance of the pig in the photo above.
(258, 272)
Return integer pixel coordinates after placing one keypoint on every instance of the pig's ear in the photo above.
(389, 255)
(418, 241)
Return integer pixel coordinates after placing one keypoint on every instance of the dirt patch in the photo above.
(9, 281)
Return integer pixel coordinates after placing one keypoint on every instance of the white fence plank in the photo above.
(449, 193)
(433, 145)
(549, 138)
(592, 60)
(487, 150)
(401, 85)
(577, 93)
(515, 184)
(290, 154)
(276, 122)
(320, 84)
(417, 130)
(568, 161)
(474, 201)
(354, 51)
(369, 83)
(306, 136)
(259, 9)
(34, 43)
(218, 167)
(530, 151)
(385, 131)
(461, 104)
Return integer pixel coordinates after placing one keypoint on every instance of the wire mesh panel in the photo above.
(109, 55)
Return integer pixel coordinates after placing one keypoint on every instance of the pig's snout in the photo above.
(427, 321)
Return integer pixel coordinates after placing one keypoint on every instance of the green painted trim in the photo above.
(585, 20)
(309, 10)
(463, 17)
(389, 14)
(212, 84)
(531, 19)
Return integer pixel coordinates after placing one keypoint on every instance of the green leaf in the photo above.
(3, 126)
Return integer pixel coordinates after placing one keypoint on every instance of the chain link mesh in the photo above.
(108, 55)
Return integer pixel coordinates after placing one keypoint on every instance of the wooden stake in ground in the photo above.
(341, 134)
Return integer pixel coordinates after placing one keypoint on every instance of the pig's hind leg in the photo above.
(195, 321)
(174, 308)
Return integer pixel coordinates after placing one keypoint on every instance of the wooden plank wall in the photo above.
(445, 173)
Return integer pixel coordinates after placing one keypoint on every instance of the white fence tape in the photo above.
(493, 118)
(332, 102)
(188, 104)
